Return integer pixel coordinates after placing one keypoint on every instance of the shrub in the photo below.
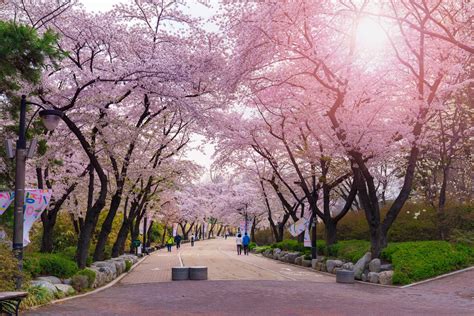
(260, 249)
(8, 268)
(252, 246)
(90, 274)
(36, 296)
(70, 253)
(414, 261)
(462, 237)
(416, 222)
(351, 250)
(50, 264)
(294, 245)
(80, 282)
(128, 265)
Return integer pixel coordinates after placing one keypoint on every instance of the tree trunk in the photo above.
(47, 237)
(119, 245)
(252, 229)
(442, 203)
(220, 230)
(148, 234)
(165, 230)
(107, 227)
(330, 227)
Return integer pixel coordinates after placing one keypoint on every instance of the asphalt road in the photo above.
(253, 285)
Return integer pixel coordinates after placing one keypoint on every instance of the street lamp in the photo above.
(50, 120)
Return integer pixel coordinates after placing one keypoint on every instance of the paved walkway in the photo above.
(253, 285)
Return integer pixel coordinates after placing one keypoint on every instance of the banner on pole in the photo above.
(6, 198)
(307, 238)
(301, 225)
(245, 228)
(298, 227)
(36, 201)
(175, 229)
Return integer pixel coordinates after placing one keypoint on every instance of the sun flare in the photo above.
(370, 35)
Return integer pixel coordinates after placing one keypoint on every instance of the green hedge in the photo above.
(294, 245)
(252, 245)
(90, 274)
(351, 250)
(414, 261)
(49, 264)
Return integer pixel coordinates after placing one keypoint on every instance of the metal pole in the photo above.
(314, 250)
(144, 235)
(19, 191)
(245, 221)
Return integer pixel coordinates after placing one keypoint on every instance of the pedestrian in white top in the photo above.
(238, 241)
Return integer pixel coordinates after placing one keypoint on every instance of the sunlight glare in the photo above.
(370, 35)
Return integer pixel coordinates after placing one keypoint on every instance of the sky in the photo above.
(202, 156)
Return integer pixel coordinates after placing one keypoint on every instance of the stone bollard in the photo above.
(198, 273)
(344, 276)
(179, 273)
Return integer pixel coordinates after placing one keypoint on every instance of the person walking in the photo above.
(170, 243)
(238, 241)
(246, 243)
(192, 240)
(177, 240)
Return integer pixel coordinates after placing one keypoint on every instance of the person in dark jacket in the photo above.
(246, 243)
(177, 240)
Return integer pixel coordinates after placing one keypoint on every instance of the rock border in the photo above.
(96, 290)
(327, 273)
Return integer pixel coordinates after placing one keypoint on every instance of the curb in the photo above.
(330, 274)
(97, 290)
(438, 277)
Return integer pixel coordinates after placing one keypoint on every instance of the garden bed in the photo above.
(410, 261)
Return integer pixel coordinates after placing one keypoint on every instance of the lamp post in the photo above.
(50, 120)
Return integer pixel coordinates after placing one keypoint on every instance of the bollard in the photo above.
(179, 273)
(344, 276)
(198, 273)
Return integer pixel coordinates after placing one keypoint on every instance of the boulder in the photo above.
(373, 277)
(363, 277)
(108, 268)
(386, 267)
(290, 257)
(120, 265)
(276, 253)
(306, 263)
(299, 260)
(67, 281)
(314, 263)
(323, 267)
(65, 289)
(100, 277)
(359, 267)
(130, 257)
(374, 265)
(50, 279)
(45, 285)
(331, 264)
(282, 255)
(321, 258)
(385, 277)
(268, 253)
(348, 266)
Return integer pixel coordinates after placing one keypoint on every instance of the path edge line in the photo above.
(438, 277)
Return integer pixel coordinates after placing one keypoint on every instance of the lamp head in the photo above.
(50, 118)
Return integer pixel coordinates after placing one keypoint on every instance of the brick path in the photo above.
(253, 285)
